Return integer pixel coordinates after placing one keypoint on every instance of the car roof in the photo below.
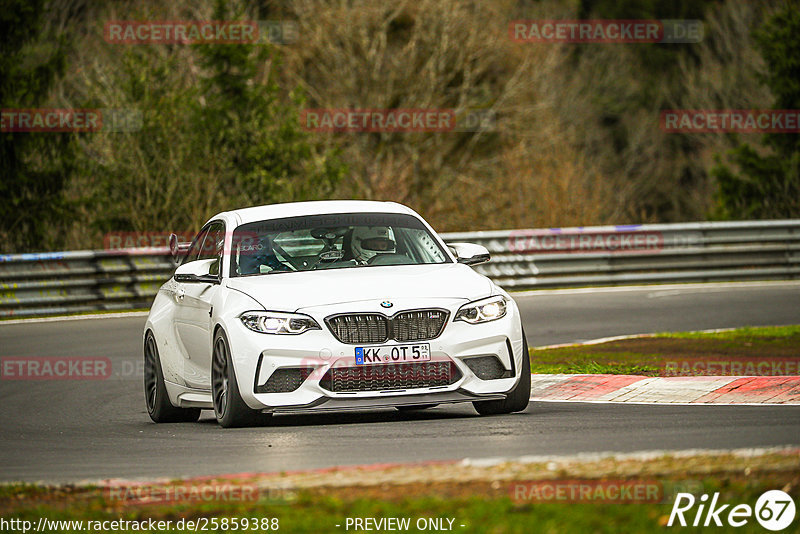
(316, 207)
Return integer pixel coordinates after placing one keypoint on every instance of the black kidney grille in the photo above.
(390, 377)
(417, 325)
(360, 328)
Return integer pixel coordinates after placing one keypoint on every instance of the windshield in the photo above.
(334, 241)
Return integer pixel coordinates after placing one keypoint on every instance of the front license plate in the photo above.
(420, 352)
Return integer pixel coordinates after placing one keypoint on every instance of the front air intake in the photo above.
(285, 380)
(390, 377)
(487, 367)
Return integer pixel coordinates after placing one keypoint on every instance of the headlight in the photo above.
(268, 322)
(483, 311)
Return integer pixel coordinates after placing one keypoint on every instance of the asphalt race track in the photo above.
(582, 314)
(75, 430)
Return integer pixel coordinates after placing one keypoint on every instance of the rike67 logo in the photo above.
(774, 510)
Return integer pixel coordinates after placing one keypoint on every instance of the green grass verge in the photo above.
(646, 356)
(310, 512)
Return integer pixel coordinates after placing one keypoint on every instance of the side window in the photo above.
(194, 250)
(213, 244)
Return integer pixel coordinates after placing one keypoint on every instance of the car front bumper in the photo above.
(257, 356)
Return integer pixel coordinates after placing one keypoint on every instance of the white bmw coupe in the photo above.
(326, 306)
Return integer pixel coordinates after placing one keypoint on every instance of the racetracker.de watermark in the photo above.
(55, 368)
(565, 241)
(70, 120)
(189, 32)
(243, 243)
(188, 492)
(45, 368)
(606, 31)
(731, 367)
(397, 120)
(607, 491)
(156, 239)
(730, 120)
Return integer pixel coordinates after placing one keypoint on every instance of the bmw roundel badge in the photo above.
(386, 304)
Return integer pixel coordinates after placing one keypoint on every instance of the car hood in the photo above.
(295, 291)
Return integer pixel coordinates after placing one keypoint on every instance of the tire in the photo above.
(518, 398)
(156, 397)
(229, 408)
(414, 408)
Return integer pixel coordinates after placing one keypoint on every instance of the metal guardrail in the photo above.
(686, 252)
(80, 281)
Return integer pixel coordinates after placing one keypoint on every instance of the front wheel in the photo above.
(156, 397)
(518, 398)
(229, 407)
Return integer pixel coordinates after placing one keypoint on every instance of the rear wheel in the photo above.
(518, 398)
(156, 397)
(229, 407)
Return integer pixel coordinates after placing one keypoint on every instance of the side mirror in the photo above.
(177, 248)
(196, 271)
(469, 253)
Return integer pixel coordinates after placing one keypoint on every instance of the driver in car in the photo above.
(369, 241)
